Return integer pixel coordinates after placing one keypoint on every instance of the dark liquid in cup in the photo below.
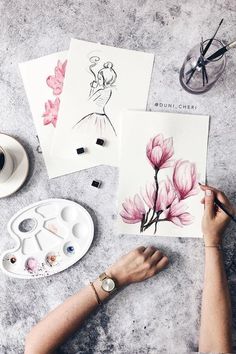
(2, 160)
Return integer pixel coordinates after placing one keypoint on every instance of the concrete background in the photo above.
(160, 315)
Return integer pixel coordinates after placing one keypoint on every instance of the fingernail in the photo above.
(208, 192)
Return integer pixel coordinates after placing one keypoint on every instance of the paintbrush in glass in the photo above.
(192, 71)
(220, 52)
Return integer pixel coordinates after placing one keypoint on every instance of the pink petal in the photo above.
(156, 155)
(64, 67)
(54, 121)
(168, 150)
(46, 121)
(176, 221)
(57, 90)
(51, 81)
(148, 195)
(130, 221)
(157, 140)
(139, 204)
(186, 219)
(168, 163)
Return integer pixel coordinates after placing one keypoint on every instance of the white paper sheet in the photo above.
(100, 82)
(174, 148)
(43, 81)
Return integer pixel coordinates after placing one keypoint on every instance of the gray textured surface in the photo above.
(162, 314)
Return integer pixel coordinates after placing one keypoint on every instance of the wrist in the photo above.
(102, 294)
(212, 240)
(117, 276)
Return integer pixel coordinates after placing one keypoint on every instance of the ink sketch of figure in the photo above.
(101, 90)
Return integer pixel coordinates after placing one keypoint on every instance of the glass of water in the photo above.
(197, 74)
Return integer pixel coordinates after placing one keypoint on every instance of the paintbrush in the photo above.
(221, 206)
(192, 71)
(204, 72)
(201, 60)
(220, 52)
(211, 40)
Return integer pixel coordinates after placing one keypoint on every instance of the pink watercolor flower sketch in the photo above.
(163, 201)
(51, 112)
(56, 84)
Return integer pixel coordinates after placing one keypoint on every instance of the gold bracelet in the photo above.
(216, 246)
(96, 294)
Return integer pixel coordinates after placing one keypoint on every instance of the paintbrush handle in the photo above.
(218, 53)
(221, 206)
(221, 51)
(212, 39)
(231, 45)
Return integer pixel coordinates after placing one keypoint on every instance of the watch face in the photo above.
(108, 284)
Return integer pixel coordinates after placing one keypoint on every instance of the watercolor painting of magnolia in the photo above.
(164, 200)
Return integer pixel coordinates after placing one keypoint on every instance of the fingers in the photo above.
(156, 257)
(157, 261)
(219, 195)
(161, 264)
(140, 249)
(209, 203)
(153, 257)
(149, 251)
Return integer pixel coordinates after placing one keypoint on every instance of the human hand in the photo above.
(214, 220)
(138, 265)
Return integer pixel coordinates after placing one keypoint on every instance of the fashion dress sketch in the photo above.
(163, 200)
(101, 90)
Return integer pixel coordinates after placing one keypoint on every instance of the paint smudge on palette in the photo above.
(31, 265)
(53, 259)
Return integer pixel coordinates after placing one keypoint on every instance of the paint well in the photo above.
(69, 214)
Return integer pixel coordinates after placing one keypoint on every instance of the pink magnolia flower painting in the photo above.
(51, 112)
(164, 200)
(55, 82)
(159, 152)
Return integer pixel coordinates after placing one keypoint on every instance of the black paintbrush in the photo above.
(204, 72)
(192, 71)
(201, 60)
(211, 40)
(221, 51)
(221, 206)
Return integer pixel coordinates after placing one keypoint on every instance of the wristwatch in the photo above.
(108, 284)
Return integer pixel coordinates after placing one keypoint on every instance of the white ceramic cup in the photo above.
(7, 165)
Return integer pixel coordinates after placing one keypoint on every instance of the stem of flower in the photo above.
(143, 222)
(156, 193)
(152, 221)
(155, 229)
(147, 215)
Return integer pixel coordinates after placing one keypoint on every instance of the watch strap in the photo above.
(103, 276)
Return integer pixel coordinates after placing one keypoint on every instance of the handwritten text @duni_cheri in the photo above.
(176, 106)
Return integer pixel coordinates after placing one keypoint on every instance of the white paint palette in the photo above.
(50, 236)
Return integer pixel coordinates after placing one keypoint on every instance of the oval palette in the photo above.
(50, 236)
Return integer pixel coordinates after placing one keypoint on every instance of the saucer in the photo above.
(21, 165)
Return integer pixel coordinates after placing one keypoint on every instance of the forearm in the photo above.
(138, 265)
(215, 331)
(59, 324)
